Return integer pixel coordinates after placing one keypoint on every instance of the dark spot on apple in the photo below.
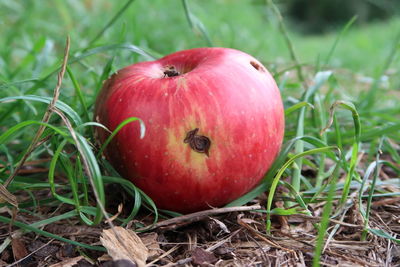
(170, 71)
(198, 143)
(257, 66)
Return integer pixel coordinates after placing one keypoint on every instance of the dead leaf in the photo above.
(202, 257)
(18, 248)
(68, 262)
(132, 248)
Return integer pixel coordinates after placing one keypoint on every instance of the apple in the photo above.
(214, 124)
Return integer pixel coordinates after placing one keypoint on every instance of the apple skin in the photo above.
(226, 94)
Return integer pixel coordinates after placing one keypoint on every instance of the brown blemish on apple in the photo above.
(257, 66)
(198, 143)
(188, 160)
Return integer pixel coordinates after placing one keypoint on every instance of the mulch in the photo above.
(217, 237)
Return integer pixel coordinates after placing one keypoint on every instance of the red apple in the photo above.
(214, 124)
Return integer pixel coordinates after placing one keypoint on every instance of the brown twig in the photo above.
(89, 174)
(46, 116)
(261, 236)
(177, 222)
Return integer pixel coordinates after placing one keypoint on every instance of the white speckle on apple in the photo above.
(146, 156)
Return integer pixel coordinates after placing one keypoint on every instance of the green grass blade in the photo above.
(15, 129)
(119, 127)
(320, 121)
(44, 99)
(112, 21)
(5, 85)
(323, 226)
(339, 36)
(51, 175)
(370, 99)
(196, 24)
(279, 161)
(388, 129)
(319, 80)
(282, 169)
(355, 147)
(297, 106)
(104, 75)
(132, 190)
(94, 169)
(382, 233)
(36, 230)
(78, 92)
(103, 48)
(30, 57)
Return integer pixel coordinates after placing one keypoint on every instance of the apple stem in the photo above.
(170, 71)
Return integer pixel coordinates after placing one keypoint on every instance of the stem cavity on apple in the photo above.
(257, 66)
(170, 71)
(198, 143)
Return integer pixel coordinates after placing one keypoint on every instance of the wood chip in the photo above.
(124, 244)
(150, 241)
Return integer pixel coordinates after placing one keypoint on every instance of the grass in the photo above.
(336, 86)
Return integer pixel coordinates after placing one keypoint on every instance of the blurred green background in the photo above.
(161, 26)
